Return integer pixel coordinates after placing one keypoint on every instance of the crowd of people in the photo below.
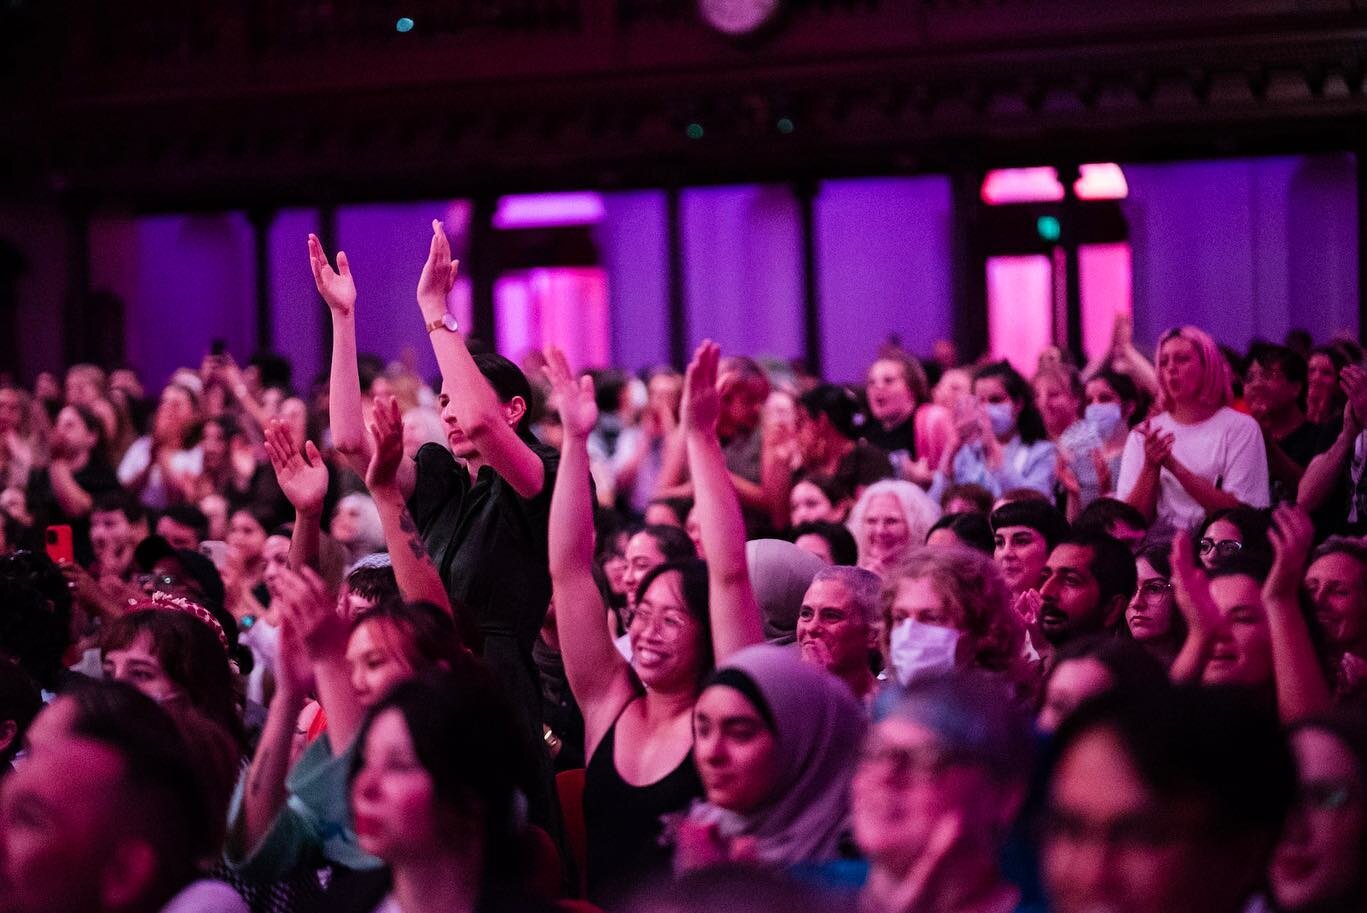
(951, 640)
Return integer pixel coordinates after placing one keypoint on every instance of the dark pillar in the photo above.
(1362, 240)
(484, 270)
(678, 312)
(261, 220)
(805, 191)
(969, 269)
(1068, 240)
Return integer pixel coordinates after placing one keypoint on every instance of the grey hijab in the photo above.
(819, 727)
(780, 573)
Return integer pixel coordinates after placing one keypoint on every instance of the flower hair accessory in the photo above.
(165, 602)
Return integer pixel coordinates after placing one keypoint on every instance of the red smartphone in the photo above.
(59, 547)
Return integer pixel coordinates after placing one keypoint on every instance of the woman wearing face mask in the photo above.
(948, 608)
(1111, 403)
(1000, 442)
(775, 740)
(1320, 866)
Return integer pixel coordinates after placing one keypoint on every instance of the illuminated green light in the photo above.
(403, 25)
(1048, 228)
(694, 131)
(785, 125)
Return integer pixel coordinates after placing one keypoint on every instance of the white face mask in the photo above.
(1001, 415)
(1104, 418)
(921, 651)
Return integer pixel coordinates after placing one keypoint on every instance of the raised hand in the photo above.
(387, 430)
(701, 398)
(1292, 534)
(303, 477)
(293, 671)
(575, 398)
(1353, 379)
(438, 275)
(311, 612)
(337, 287)
(1192, 591)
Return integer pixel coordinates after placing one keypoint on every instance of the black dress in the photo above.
(625, 822)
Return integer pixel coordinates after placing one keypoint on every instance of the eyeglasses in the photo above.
(669, 625)
(159, 580)
(908, 765)
(1223, 548)
(1155, 591)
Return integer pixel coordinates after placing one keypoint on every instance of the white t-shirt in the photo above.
(1226, 449)
(154, 495)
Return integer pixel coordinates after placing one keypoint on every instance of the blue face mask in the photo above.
(1104, 418)
(1002, 416)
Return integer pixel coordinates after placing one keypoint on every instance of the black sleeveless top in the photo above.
(624, 822)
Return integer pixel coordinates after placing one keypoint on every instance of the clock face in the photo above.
(737, 17)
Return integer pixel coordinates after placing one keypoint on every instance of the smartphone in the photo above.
(59, 545)
(216, 551)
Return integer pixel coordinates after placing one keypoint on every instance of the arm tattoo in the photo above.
(415, 543)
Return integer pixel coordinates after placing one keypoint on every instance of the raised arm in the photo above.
(264, 794)
(735, 614)
(312, 611)
(1302, 689)
(483, 419)
(598, 675)
(303, 477)
(1192, 594)
(413, 568)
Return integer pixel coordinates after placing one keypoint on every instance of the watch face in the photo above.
(737, 17)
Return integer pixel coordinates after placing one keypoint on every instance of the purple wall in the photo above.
(743, 269)
(883, 264)
(184, 280)
(297, 313)
(633, 244)
(1244, 248)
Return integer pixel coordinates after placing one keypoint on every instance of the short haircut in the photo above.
(1269, 356)
(976, 495)
(1343, 545)
(842, 407)
(121, 501)
(844, 550)
(1041, 516)
(971, 529)
(373, 582)
(161, 796)
(862, 585)
(1216, 745)
(673, 543)
(1112, 564)
(190, 516)
(976, 718)
(1103, 513)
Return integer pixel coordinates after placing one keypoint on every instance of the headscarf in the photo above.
(780, 572)
(819, 727)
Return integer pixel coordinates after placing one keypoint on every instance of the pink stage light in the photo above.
(548, 210)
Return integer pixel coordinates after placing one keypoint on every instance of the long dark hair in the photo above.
(693, 576)
(1029, 424)
(464, 734)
